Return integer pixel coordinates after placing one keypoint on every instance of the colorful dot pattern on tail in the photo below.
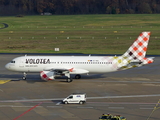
(139, 47)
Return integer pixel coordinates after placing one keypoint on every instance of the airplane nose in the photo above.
(7, 66)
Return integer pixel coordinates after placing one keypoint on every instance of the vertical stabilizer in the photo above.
(138, 49)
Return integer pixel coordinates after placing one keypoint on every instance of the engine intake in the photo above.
(47, 75)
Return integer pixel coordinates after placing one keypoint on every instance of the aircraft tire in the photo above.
(77, 76)
(69, 80)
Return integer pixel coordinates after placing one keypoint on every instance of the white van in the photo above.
(75, 98)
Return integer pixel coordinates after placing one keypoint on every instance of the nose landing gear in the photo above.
(24, 76)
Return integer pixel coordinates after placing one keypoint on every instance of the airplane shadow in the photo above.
(32, 78)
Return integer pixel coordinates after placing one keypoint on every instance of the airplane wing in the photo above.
(51, 73)
(58, 69)
(69, 70)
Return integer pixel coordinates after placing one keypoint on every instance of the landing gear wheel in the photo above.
(77, 76)
(24, 76)
(69, 80)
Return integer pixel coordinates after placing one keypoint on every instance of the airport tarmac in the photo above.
(133, 93)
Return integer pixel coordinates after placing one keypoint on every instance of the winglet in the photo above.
(138, 49)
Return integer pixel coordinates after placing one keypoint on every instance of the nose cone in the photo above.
(7, 66)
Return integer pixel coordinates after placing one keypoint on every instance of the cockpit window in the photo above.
(12, 61)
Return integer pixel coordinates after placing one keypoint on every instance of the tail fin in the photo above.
(135, 55)
(137, 50)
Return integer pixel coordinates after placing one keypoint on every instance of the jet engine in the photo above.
(50, 75)
(47, 75)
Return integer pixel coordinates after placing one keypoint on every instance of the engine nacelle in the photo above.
(47, 75)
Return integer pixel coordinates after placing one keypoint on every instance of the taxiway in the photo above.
(133, 93)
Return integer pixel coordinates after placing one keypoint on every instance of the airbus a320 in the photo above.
(51, 67)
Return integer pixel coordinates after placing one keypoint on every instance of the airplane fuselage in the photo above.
(92, 64)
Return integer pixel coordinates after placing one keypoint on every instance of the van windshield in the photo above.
(70, 97)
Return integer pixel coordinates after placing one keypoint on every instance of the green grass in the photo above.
(90, 34)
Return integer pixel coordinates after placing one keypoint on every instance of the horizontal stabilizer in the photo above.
(137, 63)
(147, 60)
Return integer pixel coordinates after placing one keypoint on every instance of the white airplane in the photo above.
(51, 67)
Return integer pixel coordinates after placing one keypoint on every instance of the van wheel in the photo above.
(81, 102)
(66, 102)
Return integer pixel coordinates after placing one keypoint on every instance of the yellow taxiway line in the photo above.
(4, 81)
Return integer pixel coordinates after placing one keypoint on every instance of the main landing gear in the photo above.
(78, 76)
(24, 76)
(69, 80)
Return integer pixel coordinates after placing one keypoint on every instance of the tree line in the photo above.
(33, 7)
